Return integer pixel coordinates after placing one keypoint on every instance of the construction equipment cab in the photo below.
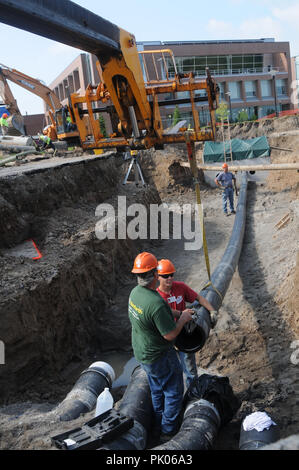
(61, 129)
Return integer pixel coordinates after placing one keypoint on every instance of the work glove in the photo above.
(237, 192)
(213, 317)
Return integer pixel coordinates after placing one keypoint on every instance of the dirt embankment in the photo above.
(61, 308)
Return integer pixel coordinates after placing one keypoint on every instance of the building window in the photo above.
(281, 87)
(266, 88)
(250, 89)
(221, 91)
(218, 64)
(76, 80)
(235, 90)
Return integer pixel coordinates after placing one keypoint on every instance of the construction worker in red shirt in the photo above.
(176, 294)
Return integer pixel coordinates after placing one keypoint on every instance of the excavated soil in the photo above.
(62, 312)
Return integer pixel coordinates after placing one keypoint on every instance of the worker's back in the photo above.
(151, 318)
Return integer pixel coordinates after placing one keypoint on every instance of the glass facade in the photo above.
(266, 88)
(281, 87)
(218, 64)
(221, 91)
(235, 90)
(250, 89)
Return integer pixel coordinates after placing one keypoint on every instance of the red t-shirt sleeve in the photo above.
(190, 294)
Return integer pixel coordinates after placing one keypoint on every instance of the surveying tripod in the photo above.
(138, 172)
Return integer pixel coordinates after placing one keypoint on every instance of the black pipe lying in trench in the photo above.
(137, 404)
(194, 335)
(209, 404)
(83, 396)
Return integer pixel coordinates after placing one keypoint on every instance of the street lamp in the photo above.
(273, 75)
(228, 93)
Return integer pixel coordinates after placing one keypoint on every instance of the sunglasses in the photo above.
(165, 276)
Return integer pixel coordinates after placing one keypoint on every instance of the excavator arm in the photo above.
(15, 120)
(7, 96)
(34, 86)
(135, 103)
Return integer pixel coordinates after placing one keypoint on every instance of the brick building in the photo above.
(254, 75)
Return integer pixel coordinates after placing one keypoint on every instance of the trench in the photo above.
(63, 312)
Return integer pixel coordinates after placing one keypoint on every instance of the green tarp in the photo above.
(241, 149)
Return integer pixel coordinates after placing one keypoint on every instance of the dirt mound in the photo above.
(252, 129)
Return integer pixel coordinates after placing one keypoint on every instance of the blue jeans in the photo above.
(228, 193)
(165, 377)
(188, 365)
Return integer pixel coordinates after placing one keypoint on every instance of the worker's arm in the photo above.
(213, 313)
(184, 318)
(205, 303)
(178, 313)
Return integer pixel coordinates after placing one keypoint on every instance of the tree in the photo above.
(102, 126)
(176, 116)
(222, 111)
(242, 116)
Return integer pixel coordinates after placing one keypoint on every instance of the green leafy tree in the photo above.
(242, 116)
(176, 116)
(222, 112)
(102, 126)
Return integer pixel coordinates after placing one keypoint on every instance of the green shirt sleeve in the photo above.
(164, 320)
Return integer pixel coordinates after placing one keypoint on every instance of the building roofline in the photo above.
(220, 41)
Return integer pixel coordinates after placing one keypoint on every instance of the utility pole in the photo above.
(273, 74)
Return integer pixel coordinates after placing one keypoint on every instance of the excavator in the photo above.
(57, 113)
(15, 119)
(132, 86)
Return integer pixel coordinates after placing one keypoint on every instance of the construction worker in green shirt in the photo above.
(4, 124)
(46, 143)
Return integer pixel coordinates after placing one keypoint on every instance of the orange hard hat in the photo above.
(5, 116)
(225, 165)
(165, 267)
(144, 262)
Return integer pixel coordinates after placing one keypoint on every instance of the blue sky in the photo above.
(155, 20)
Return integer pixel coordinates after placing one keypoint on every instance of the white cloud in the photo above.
(288, 14)
(219, 28)
(249, 29)
(265, 27)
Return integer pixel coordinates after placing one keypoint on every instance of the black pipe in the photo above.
(137, 404)
(83, 396)
(200, 426)
(211, 404)
(194, 335)
(254, 439)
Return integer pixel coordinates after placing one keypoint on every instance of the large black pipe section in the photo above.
(254, 439)
(137, 404)
(210, 404)
(63, 21)
(83, 396)
(194, 335)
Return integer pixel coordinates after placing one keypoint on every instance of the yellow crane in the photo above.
(131, 99)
